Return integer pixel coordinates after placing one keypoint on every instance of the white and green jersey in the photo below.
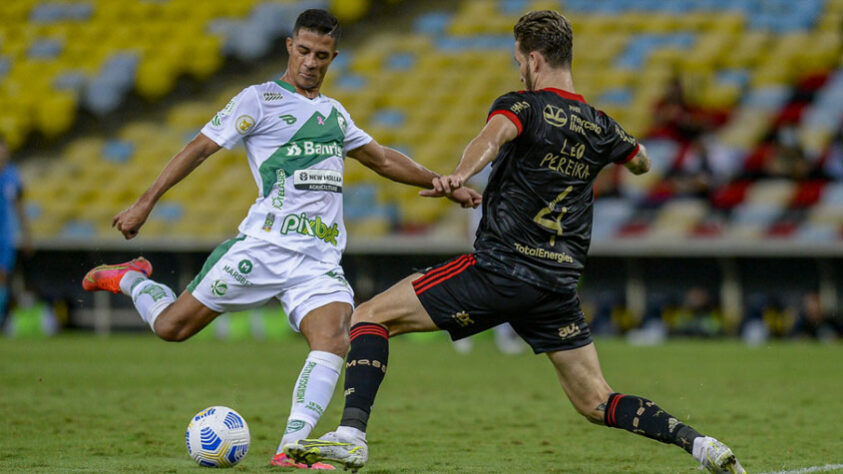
(296, 147)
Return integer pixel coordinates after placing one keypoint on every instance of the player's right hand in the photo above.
(129, 221)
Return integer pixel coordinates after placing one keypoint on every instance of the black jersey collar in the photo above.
(565, 94)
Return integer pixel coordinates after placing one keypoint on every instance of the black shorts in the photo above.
(464, 299)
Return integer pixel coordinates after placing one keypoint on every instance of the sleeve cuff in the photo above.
(511, 116)
(631, 155)
(216, 138)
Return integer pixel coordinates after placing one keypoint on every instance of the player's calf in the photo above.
(181, 318)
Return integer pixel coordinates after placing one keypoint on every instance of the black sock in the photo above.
(641, 416)
(365, 368)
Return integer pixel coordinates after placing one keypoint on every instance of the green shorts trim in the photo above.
(212, 260)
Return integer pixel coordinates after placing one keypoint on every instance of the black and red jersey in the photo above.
(537, 206)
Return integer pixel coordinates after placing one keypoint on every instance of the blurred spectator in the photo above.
(813, 322)
(608, 181)
(674, 117)
(778, 317)
(831, 163)
(788, 158)
(698, 315)
(12, 221)
(691, 173)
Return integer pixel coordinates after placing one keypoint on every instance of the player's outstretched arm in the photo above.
(399, 167)
(392, 164)
(479, 152)
(640, 163)
(192, 155)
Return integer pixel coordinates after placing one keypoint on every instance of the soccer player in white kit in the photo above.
(290, 243)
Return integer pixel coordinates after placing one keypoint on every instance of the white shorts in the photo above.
(246, 272)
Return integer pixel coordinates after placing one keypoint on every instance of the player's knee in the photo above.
(335, 343)
(334, 347)
(328, 338)
(368, 313)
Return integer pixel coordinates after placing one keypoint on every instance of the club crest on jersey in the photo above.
(462, 318)
(554, 116)
(244, 123)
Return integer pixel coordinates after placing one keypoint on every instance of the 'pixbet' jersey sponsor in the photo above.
(296, 147)
(537, 206)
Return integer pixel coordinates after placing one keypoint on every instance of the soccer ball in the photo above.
(217, 437)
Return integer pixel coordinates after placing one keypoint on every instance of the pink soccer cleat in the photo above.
(107, 277)
(282, 460)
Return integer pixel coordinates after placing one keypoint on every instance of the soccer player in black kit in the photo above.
(546, 146)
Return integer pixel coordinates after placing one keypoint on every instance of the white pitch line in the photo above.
(804, 470)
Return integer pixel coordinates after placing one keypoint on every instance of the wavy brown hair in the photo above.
(547, 32)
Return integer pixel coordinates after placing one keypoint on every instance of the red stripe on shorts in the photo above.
(453, 270)
(437, 271)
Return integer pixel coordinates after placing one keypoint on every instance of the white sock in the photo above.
(311, 395)
(696, 450)
(352, 433)
(150, 298)
(128, 281)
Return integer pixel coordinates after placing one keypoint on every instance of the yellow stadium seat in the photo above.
(56, 114)
(206, 58)
(814, 139)
(189, 115)
(678, 217)
(771, 191)
(721, 96)
(745, 128)
(370, 227)
(774, 72)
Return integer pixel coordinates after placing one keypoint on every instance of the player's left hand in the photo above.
(464, 196)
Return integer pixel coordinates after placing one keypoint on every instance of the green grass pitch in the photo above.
(90, 404)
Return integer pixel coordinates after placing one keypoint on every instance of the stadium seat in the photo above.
(426, 90)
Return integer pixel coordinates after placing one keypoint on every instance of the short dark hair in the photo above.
(320, 21)
(547, 32)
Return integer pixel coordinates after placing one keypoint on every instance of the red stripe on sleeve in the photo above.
(631, 155)
(511, 116)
